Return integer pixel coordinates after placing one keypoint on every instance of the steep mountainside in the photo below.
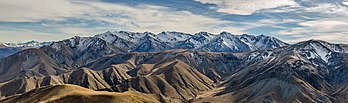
(30, 62)
(214, 65)
(78, 51)
(310, 71)
(174, 79)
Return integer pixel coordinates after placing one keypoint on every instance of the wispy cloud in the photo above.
(247, 7)
(333, 31)
(23, 35)
(111, 16)
(290, 20)
(327, 22)
(326, 8)
(36, 10)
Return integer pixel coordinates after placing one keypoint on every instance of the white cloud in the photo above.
(317, 27)
(329, 37)
(138, 18)
(23, 35)
(247, 7)
(345, 3)
(36, 10)
(326, 9)
(328, 30)
(326, 25)
(275, 22)
(157, 19)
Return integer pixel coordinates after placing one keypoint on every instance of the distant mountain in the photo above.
(33, 44)
(115, 39)
(149, 42)
(223, 42)
(172, 37)
(196, 41)
(7, 49)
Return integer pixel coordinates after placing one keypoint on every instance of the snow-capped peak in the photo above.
(29, 44)
(316, 49)
(222, 42)
(172, 37)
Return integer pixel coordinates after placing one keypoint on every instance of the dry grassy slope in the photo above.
(26, 84)
(29, 62)
(86, 78)
(115, 75)
(174, 79)
(140, 70)
(214, 65)
(96, 80)
(73, 94)
(128, 61)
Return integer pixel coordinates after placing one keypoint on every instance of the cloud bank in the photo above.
(289, 20)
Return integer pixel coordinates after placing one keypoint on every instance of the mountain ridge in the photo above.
(217, 67)
(147, 41)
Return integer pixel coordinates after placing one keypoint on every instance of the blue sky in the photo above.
(289, 20)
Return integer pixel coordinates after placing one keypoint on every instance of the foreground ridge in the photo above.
(72, 93)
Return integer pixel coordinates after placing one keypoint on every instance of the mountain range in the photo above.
(7, 49)
(178, 67)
